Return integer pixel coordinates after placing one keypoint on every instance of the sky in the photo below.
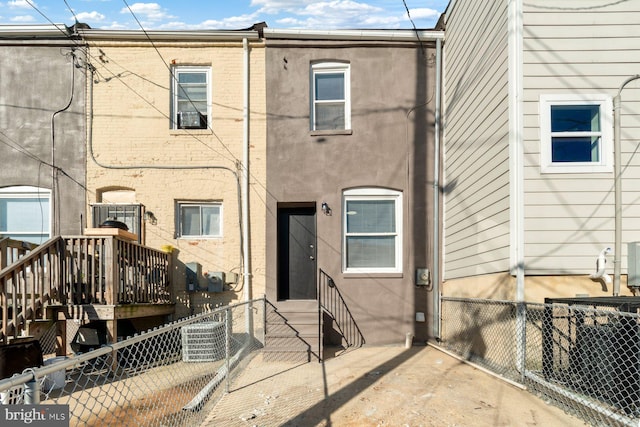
(226, 14)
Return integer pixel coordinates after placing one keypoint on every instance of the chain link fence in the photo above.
(582, 357)
(170, 376)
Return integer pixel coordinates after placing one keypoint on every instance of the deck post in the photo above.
(111, 280)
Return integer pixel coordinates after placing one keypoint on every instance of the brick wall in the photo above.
(130, 132)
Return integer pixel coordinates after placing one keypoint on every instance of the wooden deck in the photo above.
(103, 275)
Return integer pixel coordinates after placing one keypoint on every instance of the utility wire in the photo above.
(415, 29)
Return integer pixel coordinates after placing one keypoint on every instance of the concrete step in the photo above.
(287, 355)
(286, 329)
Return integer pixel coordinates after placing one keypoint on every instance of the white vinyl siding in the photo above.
(476, 140)
(579, 49)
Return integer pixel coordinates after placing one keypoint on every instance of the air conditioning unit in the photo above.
(203, 342)
(190, 120)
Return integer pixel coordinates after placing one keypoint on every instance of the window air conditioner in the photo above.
(190, 120)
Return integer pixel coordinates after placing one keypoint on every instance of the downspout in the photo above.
(245, 175)
(435, 279)
(516, 173)
(617, 164)
(246, 282)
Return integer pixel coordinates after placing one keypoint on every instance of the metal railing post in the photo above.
(227, 346)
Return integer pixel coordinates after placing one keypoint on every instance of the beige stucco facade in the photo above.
(136, 157)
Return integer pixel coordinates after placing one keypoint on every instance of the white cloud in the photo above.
(423, 13)
(232, 22)
(312, 14)
(150, 11)
(114, 26)
(23, 18)
(278, 6)
(20, 4)
(90, 16)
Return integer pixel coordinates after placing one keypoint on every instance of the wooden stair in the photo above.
(292, 331)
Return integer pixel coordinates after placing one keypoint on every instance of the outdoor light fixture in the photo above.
(326, 209)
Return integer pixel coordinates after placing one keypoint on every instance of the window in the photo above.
(372, 223)
(130, 214)
(25, 213)
(330, 94)
(576, 133)
(200, 219)
(191, 97)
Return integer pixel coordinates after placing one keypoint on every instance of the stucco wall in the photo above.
(392, 95)
(38, 79)
(130, 127)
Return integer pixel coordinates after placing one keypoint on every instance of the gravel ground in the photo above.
(380, 386)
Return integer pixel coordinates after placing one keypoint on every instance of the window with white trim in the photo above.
(576, 133)
(25, 213)
(196, 219)
(330, 96)
(372, 231)
(191, 97)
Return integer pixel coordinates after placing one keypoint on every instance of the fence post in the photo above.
(32, 392)
(521, 338)
(547, 340)
(264, 319)
(227, 346)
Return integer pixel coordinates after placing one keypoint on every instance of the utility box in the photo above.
(423, 277)
(193, 272)
(215, 281)
(633, 264)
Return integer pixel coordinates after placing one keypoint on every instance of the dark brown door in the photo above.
(297, 253)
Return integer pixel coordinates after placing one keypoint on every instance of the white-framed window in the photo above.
(576, 133)
(330, 96)
(191, 97)
(199, 219)
(372, 231)
(25, 213)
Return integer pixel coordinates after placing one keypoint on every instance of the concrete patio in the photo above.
(380, 386)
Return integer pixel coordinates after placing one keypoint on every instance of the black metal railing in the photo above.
(331, 303)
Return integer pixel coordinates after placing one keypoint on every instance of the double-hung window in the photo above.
(25, 213)
(372, 224)
(200, 219)
(191, 94)
(330, 94)
(576, 133)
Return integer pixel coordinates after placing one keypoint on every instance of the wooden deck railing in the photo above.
(77, 271)
(12, 250)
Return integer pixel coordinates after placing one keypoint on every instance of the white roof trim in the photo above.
(34, 30)
(97, 34)
(373, 35)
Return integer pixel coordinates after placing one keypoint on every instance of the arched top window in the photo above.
(372, 230)
(25, 213)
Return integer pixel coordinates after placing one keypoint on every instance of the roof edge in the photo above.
(35, 30)
(97, 34)
(376, 35)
